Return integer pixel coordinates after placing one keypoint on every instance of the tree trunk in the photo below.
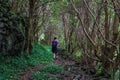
(65, 29)
(106, 63)
(29, 28)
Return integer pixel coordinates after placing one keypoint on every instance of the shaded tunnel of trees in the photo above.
(89, 27)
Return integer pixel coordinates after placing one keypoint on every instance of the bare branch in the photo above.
(78, 14)
(98, 25)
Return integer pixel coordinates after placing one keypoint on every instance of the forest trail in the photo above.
(29, 72)
(71, 71)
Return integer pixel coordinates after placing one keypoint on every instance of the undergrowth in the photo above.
(12, 66)
(47, 72)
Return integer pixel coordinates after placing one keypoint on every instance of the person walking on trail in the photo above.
(54, 47)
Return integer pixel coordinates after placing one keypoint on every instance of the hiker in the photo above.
(54, 47)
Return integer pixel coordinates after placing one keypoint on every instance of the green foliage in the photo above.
(117, 75)
(11, 35)
(44, 53)
(12, 66)
(78, 54)
(119, 27)
(47, 71)
(54, 69)
(99, 68)
(4, 6)
(40, 76)
(43, 76)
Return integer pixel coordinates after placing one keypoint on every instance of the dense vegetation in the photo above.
(12, 66)
(88, 32)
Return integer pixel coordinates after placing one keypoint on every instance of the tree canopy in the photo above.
(88, 31)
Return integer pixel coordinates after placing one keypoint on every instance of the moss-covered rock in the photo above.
(11, 37)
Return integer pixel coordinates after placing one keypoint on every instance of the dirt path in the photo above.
(29, 72)
(71, 71)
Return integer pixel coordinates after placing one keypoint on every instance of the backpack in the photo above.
(54, 44)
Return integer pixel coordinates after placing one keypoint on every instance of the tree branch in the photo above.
(78, 14)
(98, 25)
